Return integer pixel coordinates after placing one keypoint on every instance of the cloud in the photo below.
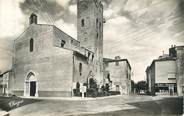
(148, 30)
(14, 16)
(6, 48)
(45, 8)
(11, 18)
(68, 28)
(12, 24)
(50, 10)
(118, 20)
(73, 9)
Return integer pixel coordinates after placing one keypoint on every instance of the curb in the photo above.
(4, 113)
(71, 98)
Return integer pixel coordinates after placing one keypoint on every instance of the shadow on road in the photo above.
(164, 107)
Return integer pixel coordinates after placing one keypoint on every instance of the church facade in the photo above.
(48, 63)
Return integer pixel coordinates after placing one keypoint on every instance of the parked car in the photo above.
(142, 92)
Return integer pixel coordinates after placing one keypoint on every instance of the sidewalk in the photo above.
(125, 97)
(159, 97)
(71, 98)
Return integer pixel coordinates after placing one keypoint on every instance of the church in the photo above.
(48, 62)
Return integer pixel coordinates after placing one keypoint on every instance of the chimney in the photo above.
(172, 51)
(33, 19)
(117, 57)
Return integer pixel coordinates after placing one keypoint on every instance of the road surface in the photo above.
(112, 106)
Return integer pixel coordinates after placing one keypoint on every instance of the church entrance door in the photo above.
(32, 88)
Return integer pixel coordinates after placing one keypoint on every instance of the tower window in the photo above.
(31, 45)
(92, 57)
(63, 43)
(97, 35)
(88, 54)
(82, 22)
(96, 22)
(80, 68)
(100, 25)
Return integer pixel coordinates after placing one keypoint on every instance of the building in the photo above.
(1, 85)
(165, 74)
(49, 63)
(4, 83)
(90, 31)
(179, 51)
(117, 72)
(161, 76)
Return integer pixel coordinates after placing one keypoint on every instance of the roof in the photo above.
(179, 47)
(46, 25)
(164, 59)
(107, 60)
(1, 74)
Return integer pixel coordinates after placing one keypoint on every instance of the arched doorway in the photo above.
(30, 86)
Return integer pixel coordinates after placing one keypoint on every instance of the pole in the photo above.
(82, 94)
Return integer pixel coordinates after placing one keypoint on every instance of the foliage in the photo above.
(141, 85)
(93, 90)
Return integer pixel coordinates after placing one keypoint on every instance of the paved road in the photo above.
(113, 106)
(163, 107)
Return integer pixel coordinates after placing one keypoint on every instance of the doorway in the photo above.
(171, 89)
(30, 85)
(117, 87)
(32, 88)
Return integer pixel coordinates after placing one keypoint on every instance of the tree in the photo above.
(92, 83)
(93, 89)
(77, 90)
(141, 85)
(107, 87)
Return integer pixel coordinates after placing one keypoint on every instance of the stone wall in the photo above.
(82, 75)
(70, 43)
(51, 65)
(90, 31)
(119, 75)
(180, 69)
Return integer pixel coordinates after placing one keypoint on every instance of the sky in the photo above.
(138, 30)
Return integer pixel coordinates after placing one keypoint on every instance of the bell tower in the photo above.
(33, 19)
(90, 31)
